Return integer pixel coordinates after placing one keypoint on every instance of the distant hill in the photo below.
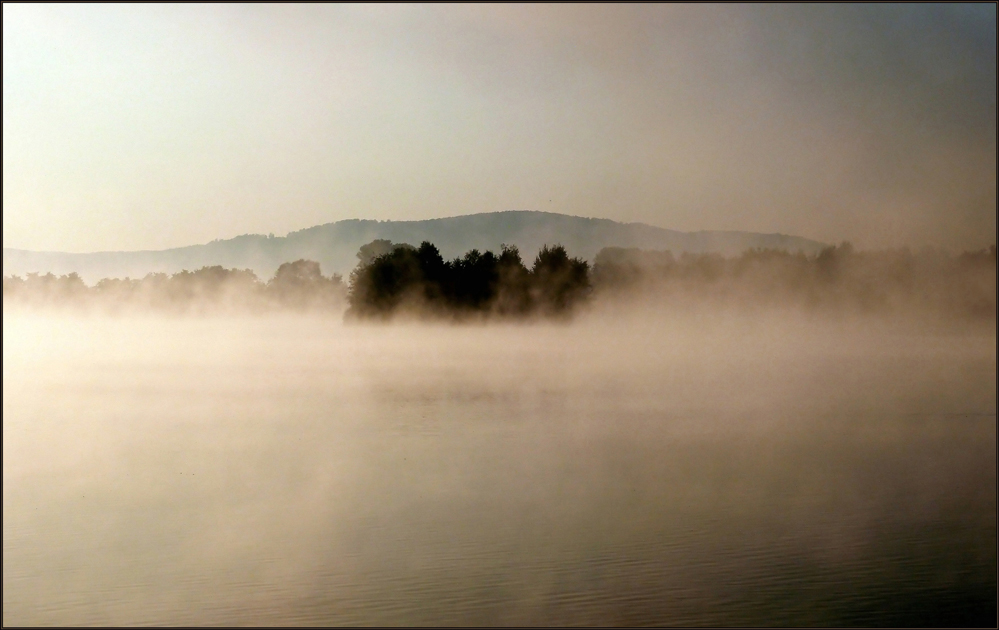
(335, 245)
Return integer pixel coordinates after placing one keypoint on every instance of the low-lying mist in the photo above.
(402, 282)
(771, 438)
(707, 467)
(297, 287)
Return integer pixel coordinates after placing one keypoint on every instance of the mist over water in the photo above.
(659, 315)
(691, 469)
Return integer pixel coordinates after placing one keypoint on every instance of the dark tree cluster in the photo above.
(401, 279)
(838, 278)
(298, 286)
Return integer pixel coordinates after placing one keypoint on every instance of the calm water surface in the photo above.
(294, 471)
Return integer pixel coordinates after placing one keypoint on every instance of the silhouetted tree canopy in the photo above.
(395, 279)
(420, 282)
(373, 250)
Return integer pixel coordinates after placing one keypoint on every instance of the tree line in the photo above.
(402, 279)
(297, 286)
(394, 280)
(838, 278)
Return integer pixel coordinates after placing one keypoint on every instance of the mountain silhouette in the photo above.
(335, 245)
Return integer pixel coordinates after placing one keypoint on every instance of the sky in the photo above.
(129, 127)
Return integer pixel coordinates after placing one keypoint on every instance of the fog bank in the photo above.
(687, 470)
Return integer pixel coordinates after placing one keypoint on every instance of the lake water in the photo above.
(693, 471)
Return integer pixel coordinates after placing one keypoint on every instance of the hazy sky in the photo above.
(146, 127)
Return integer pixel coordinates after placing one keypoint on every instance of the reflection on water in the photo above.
(299, 472)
